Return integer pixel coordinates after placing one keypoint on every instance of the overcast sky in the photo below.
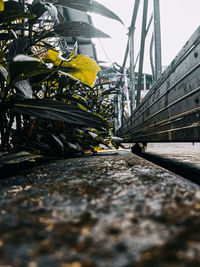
(179, 19)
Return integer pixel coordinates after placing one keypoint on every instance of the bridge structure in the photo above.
(170, 112)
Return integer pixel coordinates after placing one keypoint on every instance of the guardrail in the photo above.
(170, 112)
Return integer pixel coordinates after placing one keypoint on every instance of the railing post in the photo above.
(119, 110)
(126, 89)
(157, 40)
(142, 46)
(131, 54)
(132, 71)
(116, 111)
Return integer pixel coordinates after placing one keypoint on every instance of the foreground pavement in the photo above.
(182, 152)
(113, 209)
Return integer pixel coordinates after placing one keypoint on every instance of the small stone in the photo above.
(113, 230)
(121, 246)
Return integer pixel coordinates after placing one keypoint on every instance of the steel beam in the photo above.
(126, 55)
(157, 40)
(131, 29)
(131, 51)
(147, 30)
(142, 46)
(132, 72)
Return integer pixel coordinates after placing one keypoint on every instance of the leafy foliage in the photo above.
(56, 110)
(1, 5)
(79, 29)
(88, 6)
(7, 16)
(48, 102)
(81, 67)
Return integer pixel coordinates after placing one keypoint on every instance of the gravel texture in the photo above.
(113, 209)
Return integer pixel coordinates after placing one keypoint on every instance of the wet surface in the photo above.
(183, 152)
(113, 209)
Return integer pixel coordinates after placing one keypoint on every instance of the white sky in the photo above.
(179, 19)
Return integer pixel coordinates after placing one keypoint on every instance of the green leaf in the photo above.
(22, 65)
(12, 5)
(38, 10)
(88, 6)
(40, 74)
(54, 110)
(53, 12)
(3, 72)
(116, 142)
(43, 35)
(77, 100)
(6, 36)
(25, 88)
(79, 29)
(16, 47)
(13, 158)
(8, 16)
(13, 26)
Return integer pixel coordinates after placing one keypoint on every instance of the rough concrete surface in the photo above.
(113, 209)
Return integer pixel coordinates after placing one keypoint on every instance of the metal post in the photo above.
(145, 82)
(152, 58)
(122, 105)
(132, 72)
(116, 111)
(142, 46)
(147, 30)
(157, 38)
(134, 16)
(126, 55)
(127, 93)
(119, 110)
(131, 49)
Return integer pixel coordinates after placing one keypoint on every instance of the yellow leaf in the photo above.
(2, 59)
(82, 107)
(1, 5)
(53, 57)
(81, 68)
(97, 148)
(73, 52)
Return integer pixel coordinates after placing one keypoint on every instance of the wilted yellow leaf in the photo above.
(81, 67)
(82, 107)
(1, 5)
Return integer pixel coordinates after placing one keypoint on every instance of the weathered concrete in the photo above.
(113, 209)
